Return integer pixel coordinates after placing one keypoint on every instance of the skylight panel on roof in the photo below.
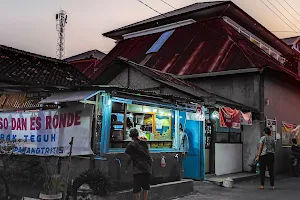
(160, 42)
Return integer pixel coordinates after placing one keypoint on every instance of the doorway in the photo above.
(194, 163)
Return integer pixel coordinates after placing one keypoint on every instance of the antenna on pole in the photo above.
(61, 21)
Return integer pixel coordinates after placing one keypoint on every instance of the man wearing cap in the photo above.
(138, 153)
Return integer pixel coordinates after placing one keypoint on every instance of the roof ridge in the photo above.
(89, 51)
(172, 13)
(31, 54)
(290, 37)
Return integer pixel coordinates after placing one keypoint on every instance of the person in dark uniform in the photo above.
(138, 153)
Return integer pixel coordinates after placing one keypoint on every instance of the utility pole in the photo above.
(61, 21)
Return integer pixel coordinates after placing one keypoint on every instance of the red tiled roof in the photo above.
(87, 67)
(18, 101)
(208, 46)
(20, 67)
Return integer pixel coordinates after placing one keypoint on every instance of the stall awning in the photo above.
(69, 96)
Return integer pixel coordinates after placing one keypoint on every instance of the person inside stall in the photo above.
(129, 124)
(138, 152)
(184, 141)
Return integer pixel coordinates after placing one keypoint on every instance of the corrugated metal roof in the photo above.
(69, 96)
(193, 7)
(20, 67)
(202, 47)
(87, 67)
(87, 55)
(290, 40)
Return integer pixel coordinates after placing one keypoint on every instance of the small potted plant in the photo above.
(53, 188)
(53, 183)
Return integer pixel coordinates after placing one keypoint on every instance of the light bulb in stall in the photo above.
(155, 110)
(169, 114)
(215, 115)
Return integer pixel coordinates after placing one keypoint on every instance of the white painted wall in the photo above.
(228, 159)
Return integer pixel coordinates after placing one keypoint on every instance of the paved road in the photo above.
(286, 188)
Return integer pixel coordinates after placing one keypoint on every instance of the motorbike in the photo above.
(295, 161)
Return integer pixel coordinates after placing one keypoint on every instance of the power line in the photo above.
(291, 7)
(168, 4)
(283, 15)
(284, 32)
(156, 11)
(288, 12)
(277, 15)
(151, 8)
(179, 25)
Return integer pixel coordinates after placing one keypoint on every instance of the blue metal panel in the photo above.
(161, 40)
(202, 151)
(106, 121)
(121, 100)
(194, 163)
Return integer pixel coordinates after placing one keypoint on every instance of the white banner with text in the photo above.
(49, 132)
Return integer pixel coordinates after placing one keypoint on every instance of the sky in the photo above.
(30, 25)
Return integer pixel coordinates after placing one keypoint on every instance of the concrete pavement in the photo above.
(286, 188)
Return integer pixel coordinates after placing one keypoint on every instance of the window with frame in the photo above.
(155, 125)
(228, 137)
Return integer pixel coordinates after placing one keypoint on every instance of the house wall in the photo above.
(284, 101)
(139, 81)
(244, 89)
(250, 139)
(133, 79)
(241, 88)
